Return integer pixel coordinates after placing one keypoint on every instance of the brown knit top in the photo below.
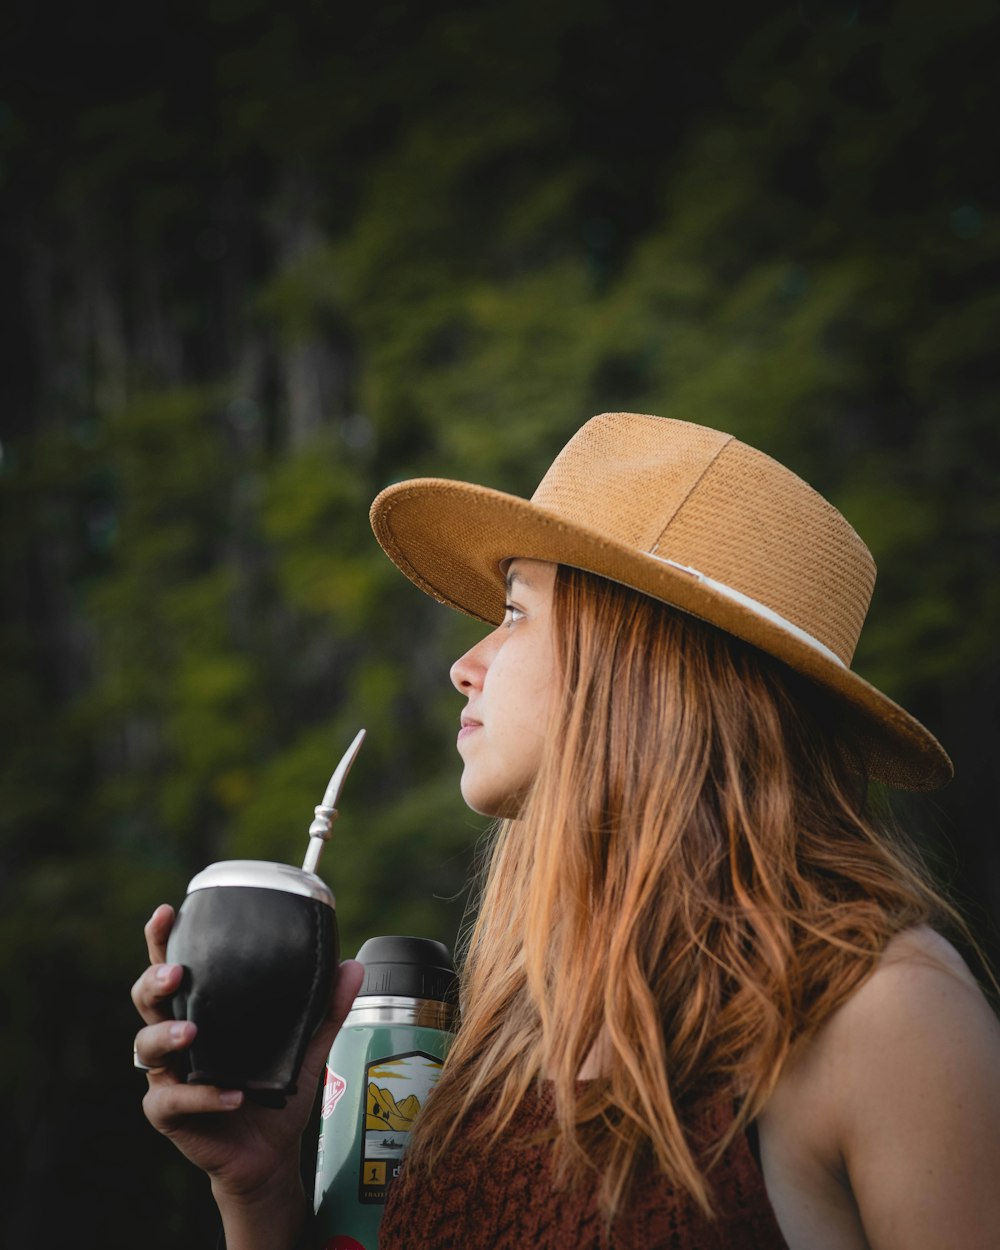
(500, 1197)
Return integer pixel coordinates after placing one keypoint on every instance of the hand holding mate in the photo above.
(250, 1153)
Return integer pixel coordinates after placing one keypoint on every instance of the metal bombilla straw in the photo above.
(326, 813)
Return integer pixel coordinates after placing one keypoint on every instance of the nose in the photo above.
(469, 670)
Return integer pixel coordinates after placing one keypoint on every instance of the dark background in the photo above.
(256, 263)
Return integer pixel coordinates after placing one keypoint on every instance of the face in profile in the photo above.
(509, 680)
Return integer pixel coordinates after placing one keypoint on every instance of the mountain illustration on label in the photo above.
(383, 1112)
(396, 1087)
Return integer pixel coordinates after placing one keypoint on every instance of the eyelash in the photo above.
(509, 619)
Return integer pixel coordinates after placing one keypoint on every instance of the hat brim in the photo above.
(450, 539)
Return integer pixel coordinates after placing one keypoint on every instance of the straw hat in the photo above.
(690, 516)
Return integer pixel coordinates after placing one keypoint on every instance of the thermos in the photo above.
(383, 1064)
(258, 944)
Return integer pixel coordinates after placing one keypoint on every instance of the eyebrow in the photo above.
(515, 576)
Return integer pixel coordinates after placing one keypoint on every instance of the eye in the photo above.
(511, 614)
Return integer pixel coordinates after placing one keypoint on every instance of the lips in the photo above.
(468, 725)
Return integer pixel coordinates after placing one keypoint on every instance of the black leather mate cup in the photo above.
(258, 943)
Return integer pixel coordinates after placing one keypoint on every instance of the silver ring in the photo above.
(137, 1062)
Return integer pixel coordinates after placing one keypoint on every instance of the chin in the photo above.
(497, 806)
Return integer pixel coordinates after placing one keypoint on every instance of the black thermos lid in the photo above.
(408, 967)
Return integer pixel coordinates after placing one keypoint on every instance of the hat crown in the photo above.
(702, 499)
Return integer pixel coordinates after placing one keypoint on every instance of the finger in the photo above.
(157, 931)
(350, 975)
(152, 991)
(349, 978)
(166, 1104)
(157, 1044)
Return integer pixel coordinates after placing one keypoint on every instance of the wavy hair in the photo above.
(692, 887)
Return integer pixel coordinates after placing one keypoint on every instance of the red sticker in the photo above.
(342, 1242)
(333, 1087)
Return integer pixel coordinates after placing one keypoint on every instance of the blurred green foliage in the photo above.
(302, 254)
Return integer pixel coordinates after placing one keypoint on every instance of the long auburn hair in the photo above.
(692, 885)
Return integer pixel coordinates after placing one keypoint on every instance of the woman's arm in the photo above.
(250, 1153)
(920, 1068)
(884, 1133)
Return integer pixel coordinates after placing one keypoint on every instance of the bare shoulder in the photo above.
(920, 1003)
(921, 1006)
(918, 967)
(898, 1097)
(917, 958)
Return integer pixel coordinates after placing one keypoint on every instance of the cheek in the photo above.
(524, 688)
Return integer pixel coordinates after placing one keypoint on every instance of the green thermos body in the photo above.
(384, 1062)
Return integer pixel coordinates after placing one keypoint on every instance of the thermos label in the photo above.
(333, 1087)
(396, 1088)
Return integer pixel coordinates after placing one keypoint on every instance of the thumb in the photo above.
(348, 981)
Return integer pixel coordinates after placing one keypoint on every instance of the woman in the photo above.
(705, 1003)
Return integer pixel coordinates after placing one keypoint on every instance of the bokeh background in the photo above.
(259, 260)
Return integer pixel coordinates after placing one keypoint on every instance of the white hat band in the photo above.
(752, 605)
